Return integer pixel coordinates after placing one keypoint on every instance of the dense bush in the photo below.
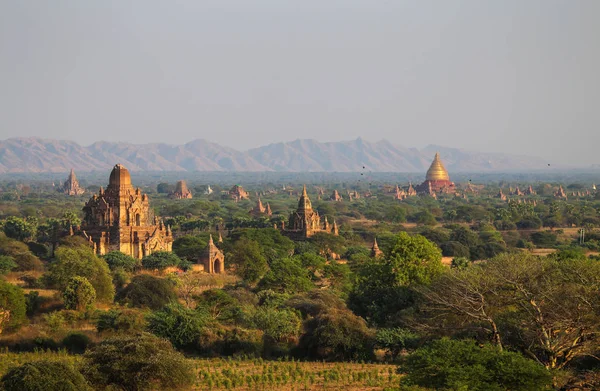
(121, 320)
(180, 325)
(139, 362)
(160, 260)
(544, 238)
(286, 275)
(20, 254)
(7, 263)
(116, 259)
(463, 365)
(395, 340)
(12, 307)
(148, 291)
(79, 294)
(336, 335)
(455, 249)
(44, 376)
(76, 343)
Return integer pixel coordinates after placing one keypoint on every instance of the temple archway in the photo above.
(218, 266)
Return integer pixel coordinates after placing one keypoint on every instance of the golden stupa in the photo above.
(437, 171)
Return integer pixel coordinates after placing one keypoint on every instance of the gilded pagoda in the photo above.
(437, 179)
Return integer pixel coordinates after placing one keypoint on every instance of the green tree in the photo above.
(248, 260)
(189, 247)
(547, 308)
(160, 260)
(336, 334)
(277, 324)
(462, 365)
(180, 325)
(384, 286)
(82, 262)
(7, 263)
(286, 275)
(44, 375)
(20, 229)
(395, 340)
(79, 294)
(121, 320)
(12, 307)
(414, 259)
(116, 259)
(219, 304)
(20, 253)
(139, 362)
(148, 291)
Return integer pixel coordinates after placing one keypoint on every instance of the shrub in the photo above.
(336, 335)
(160, 260)
(148, 291)
(180, 325)
(137, 363)
(79, 294)
(7, 263)
(54, 320)
(44, 375)
(122, 320)
(20, 253)
(76, 343)
(529, 223)
(393, 341)
(449, 364)
(277, 324)
(544, 238)
(455, 249)
(116, 259)
(32, 302)
(460, 263)
(12, 307)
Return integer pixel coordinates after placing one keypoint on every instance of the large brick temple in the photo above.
(120, 218)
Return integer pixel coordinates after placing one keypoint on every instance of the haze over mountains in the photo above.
(21, 155)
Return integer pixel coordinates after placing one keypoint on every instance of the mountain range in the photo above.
(22, 155)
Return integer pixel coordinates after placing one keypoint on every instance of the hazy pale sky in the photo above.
(518, 76)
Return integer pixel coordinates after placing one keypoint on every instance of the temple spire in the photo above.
(375, 251)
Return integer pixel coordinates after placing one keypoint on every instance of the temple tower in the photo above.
(120, 218)
(213, 258)
(71, 186)
(181, 191)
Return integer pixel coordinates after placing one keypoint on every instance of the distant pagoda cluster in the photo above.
(71, 186)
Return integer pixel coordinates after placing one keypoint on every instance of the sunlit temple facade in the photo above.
(119, 218)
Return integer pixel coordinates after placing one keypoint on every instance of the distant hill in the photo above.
(41, 155)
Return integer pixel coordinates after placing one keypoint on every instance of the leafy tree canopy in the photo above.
(462, 365)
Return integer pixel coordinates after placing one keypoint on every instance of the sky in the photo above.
(513, 76)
